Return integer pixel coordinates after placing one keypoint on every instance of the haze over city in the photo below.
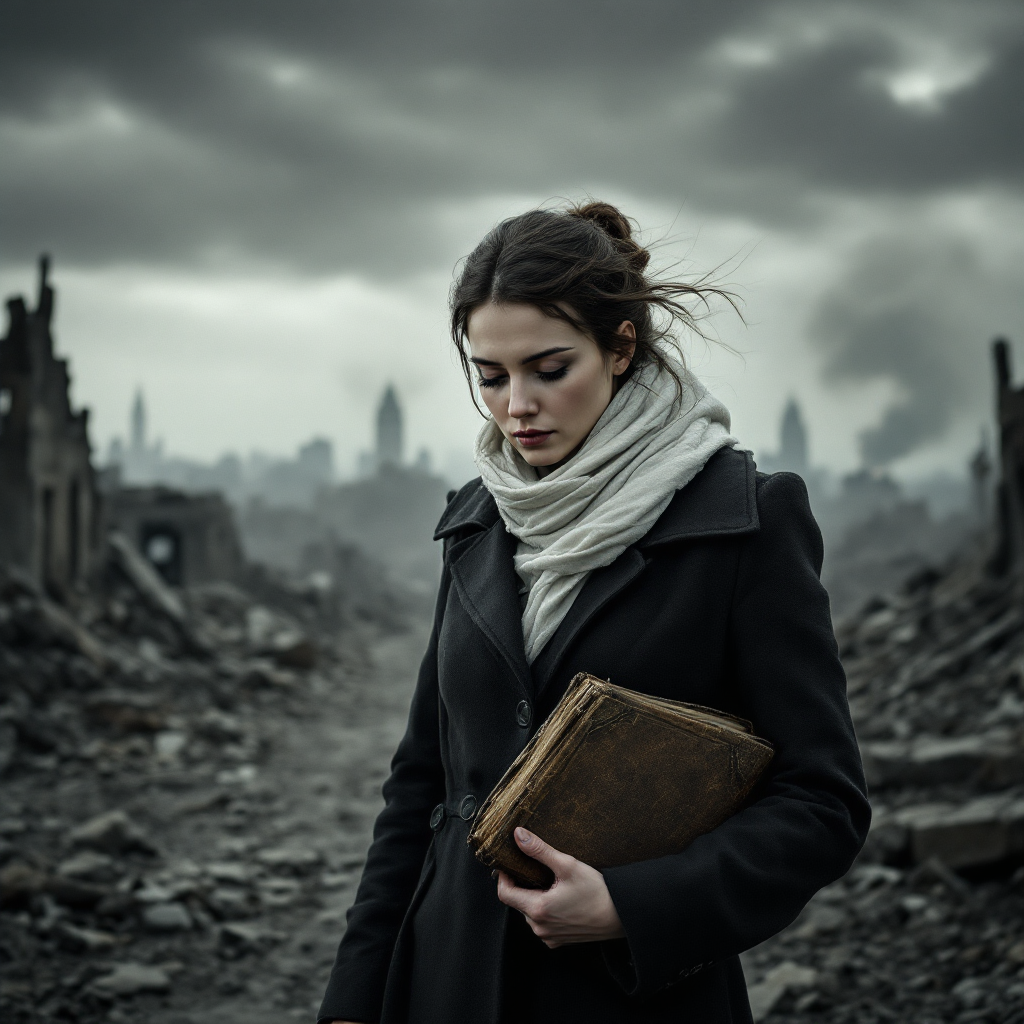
(254, 210)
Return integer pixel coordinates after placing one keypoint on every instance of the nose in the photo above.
(521, 401)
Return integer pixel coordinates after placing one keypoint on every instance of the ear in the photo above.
(624, 356)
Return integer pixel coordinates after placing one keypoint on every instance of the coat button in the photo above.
(524, 713)
(468, 807)
(437, 818)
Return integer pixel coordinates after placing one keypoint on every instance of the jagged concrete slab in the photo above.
(985, 759)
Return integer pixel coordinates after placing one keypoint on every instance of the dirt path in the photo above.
(216, 894)
(327, 769)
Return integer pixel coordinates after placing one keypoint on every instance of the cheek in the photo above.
(492, 399)
(582, 400)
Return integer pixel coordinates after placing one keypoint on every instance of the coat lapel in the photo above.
(601, 586)
(485, 579)
(719, 502)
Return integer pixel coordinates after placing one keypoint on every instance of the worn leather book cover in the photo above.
(615, 776)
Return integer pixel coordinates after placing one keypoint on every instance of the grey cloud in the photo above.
(412, 105)
(898, 314)
(823, 117)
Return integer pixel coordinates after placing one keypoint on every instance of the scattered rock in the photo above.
(90, 866)
(56, 625)
(984, 759)
(83, 940)
(19, 882)
(135, 696)
(220, 726)
(145, 578)
(70, 892)
(279, 892)
(8, 745)
(982, 831)
(298, 859)
(113, 832)
(241, 937)
(169, 744)
(240, 776)
(126, 712)
(232, 902)
(776, 983)
(166, 917)
(230, 871)
(297, 652)
(129, 979)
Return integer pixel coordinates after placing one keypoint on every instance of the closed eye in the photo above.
(553, 374)
(545, 375)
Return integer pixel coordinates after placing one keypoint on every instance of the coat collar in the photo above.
(484, 577)
(719, 501)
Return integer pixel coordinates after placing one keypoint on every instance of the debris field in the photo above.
(928, 926)
(188, 784)
(189, 780)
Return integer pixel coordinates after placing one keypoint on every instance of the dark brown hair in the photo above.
(581, 265)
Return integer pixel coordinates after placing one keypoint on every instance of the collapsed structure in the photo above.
(150, 849)
(49, 507)
(54, 515)
(1009, 555)
(188, 538)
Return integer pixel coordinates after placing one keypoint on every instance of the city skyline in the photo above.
(255, 214)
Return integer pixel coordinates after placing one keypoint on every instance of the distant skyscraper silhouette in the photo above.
(389, 429)
(138, 438)
(792, 455)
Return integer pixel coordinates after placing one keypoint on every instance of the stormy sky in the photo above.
(255, 208)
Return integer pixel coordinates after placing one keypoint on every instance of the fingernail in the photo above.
(523, 836)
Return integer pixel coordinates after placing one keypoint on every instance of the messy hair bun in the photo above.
(618, 227)
(583, 265)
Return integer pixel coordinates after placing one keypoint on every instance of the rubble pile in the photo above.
(161, 857)
(929, 925)
(142, 841)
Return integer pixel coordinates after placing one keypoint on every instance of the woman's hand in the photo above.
(577, 907)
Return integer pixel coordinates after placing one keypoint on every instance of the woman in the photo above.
(614, 530)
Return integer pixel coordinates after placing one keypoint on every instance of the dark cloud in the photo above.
(828, 117)
(326, 134)
(321, 136)
(898, 315)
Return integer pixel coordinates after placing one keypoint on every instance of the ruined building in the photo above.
(49, 510)
(1010, 495)
(188, 538)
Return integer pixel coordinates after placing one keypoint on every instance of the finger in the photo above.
(533, 846)
(512, 895)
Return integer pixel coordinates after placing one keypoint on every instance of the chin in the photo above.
(540, 459)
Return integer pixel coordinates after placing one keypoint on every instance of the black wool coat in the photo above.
(719, 604)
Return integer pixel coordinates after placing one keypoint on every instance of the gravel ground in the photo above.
(187, 801)
(237, 914)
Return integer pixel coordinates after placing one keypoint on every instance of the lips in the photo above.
(532, 438)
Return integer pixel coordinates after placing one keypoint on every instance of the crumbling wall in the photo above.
(1010, 416)
(189, 538)
(48, 499)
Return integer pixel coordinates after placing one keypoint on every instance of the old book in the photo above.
(615, 776)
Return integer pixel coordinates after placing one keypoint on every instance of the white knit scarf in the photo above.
(647, 444)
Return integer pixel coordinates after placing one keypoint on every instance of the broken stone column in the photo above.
(1009, 556)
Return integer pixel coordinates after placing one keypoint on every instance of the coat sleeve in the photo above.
(401, 836)
(743, 882)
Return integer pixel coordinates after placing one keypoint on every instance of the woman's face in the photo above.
(545, 383)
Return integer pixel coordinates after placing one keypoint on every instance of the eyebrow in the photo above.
(528, 359)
